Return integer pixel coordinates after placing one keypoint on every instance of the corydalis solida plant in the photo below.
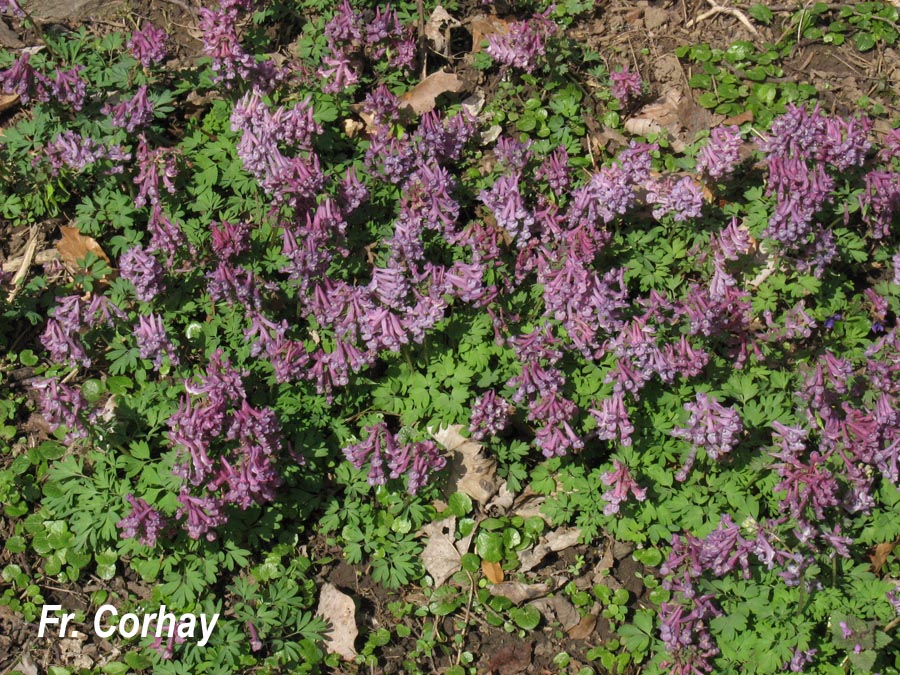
(304, 291)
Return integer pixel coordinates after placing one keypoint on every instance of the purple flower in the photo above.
(523, 44)
(712, 427)
(555, 170)
(353, 192)
(255, 643)
(490, 415)
(144, 523)
(880, 201)
(131, 114)
(346, 26)
(201, 514)
(25, 81)
(11, 7)
(416, 459)
(338, 75)
(721, 153)
(148, 44)
(806, 484)
(63, 406)
(682, 198)
(153, 166)
(68, 87)
(228, 240)
(625, 86)
(612, 420)
(74, 151)
(556, 439)
(231, 64)
(144, 272)
(621, 482)
(152, 341)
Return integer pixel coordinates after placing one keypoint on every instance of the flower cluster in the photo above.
(718, 158)
(524, 43)
(417, 460)
(621, 482)
(625, 86)
(231, 63)
(712, 427)
(144, 523)
(148, 44)
(144, 272)
(73, 151)
(490, 415)
(243, 472)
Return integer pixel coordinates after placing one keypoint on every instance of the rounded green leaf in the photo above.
(489, 545)
(526, 618)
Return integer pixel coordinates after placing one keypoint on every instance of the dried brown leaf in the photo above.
(7, 101)
(442, 555)
(663, 116)
(338, 610)
(423, 96)
(482, 26)
(583, 629)
(880, 555)
(511, 659)
(746, 116)
(437, 28)
(492, 571)
(472, 470)
(557, 608)
(560, 540)
(74, 246)
(517, 592)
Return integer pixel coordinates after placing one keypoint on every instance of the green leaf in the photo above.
(761, 13)
(459, 504)
(865, 41)
(527, 617)
(489, 545)
(708, 100)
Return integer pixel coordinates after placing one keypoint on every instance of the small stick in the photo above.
(423, 55)
(26, 265)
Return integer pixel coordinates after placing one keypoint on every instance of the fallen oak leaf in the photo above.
(437, 28)
(517, 592)
(482, 26)
(880, 555)
(442, 557)
(583, 629)
(73, 247)
(423, 96)
(339, 610)
(472, 470)
(492, 571)
(7, 101)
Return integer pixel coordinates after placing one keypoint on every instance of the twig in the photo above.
(423, 56)
(719, 9)
(466, 618)
(26, 265)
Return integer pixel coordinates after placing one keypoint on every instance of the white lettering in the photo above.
(98, 629)
(47, 619)
(164, 617)
(207, 630)
(135, 625)
(187, 626)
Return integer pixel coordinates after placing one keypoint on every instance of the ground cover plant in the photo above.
(307, 281)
